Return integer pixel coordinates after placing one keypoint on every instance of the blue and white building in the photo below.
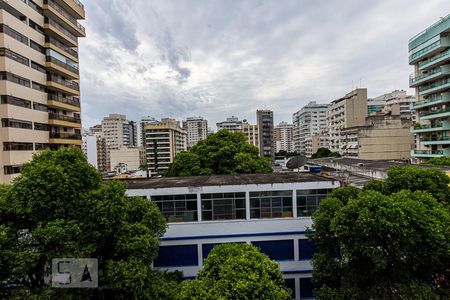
(271, 211)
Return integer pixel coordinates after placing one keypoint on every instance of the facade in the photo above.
(316, 141)
(232, 124)
(162, 142)
(148, 120)
(388, 102)
(39, 79)
(266, 140)
(430, 55)
(251, 133)
(89, 147)
(308, 121)
(348, 111)
(284, 137)
(273, 213)
(131, 157)
(197, 130)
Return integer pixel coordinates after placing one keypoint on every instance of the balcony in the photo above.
(63, 120)
(431, 49)
(435, 87)
(51, 9)
(75, 7)
(433, 100)
(63, 103)
(52, 28)
(65, 138)
(442, 140)
(61, 67)
(435, 60)
(438, 27)
(430, 153)
(56, 45)
(64, 86)
(435, 114)
(440, 126)
(432, 75)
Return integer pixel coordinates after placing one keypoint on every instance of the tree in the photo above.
(324, 152)
(284, 153)
(394, 245)
(59, 207)
(236, 271)
(220, 153)
(438, 161)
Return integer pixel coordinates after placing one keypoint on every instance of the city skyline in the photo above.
(220, 60)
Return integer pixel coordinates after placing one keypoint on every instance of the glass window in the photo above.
(306, 288)
(309, 200)
(290, 284)
(39, 106)
(223, 206)
(8, 170)
(177, 208)
(14, 56)
(13, 33)
(176, 256)
(306, 249)
(15, 101)
(14, 146)
(271, 204)
(277, 250)
(16, 123)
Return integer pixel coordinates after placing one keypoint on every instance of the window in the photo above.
(40, 146)
(308, 200)
(36, 27)
(14, 56)
(13, 33)
(39, 87)
(223, 206)
(37, 47)
(306, 288)
(41, 126)
(306, 249)
(62, 58)
(39, 106)
(271, 204)
(13, 123)
(177, 256)
(177, 208)
(206, 249)
(290, 284)
(15, 101)
(8, 170)
(277, 250)
(38, 67)
(13, 146)
(14, 78)
(34, 6)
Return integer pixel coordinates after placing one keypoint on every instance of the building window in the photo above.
(40, 146)
(16, 123)
(38, 67)
(277, 250)
(306, 249)
(39, 106)
(206, 249)
(271, 204)
(37, 47)
(309, 200)
(41, 126)
(177, 256)
(290, 284)
(13, 146)
(15, 101)
(8, 170)
(14, 56)
(306, 288)
(14, 78)
(39, 87)
(36, 27)
(223, 206)
(36, 7)
(177, 208)
(13, 33)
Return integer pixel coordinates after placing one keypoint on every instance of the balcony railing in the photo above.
(435, 139)
(70, 84)
(429, 152)
(434, 112)
(62, 64)
(65, 14)
(430, 126)
(429, 32)
(61, 29)
(435, 85)
(60, 45)
(413, 79)
(67, 136)
(434, 58)
(425, 50)
(53, 116)
(74, 102)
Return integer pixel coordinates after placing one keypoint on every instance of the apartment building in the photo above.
(348, 111)
(162, 142)
(284, 139)
(132, 158)
(388, 102)
(147, 120)
(316, 141)
(308, 121)
(251, 133)
(266, 140)
(429, 53)
(197, 130)
(232, 124)
(39, 79)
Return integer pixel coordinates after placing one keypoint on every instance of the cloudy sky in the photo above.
(217, 58)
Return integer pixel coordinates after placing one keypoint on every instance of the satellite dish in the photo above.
(296, 162)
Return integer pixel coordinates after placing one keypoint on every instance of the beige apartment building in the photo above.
(131, 157)
(163, 141)
(39, 79)
(251, 133)
(284, 137)
(316, 141)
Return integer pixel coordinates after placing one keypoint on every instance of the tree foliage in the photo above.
(324, 152)
(59, 207)
(390, 241)
(220, 153)
(284, 153)
(438, 161)
(236, 271)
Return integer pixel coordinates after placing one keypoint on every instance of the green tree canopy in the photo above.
(220, 153)
(394, 245)
(58, 207)
(236, 271)
(324, 152)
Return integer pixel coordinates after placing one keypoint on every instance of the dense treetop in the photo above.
(324, 152)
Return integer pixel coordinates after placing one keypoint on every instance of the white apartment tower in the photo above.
(284, 137)
(232, 124)
(197, 130)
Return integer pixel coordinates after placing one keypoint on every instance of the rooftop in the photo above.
(220, 180)
(438, 27)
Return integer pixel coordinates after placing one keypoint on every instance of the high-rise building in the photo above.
(388, 102)
(284, 139)
(147, 120)
(162, 142)
(316, 141)
(348, 111)
(39, 88)
(308, 121)
(251, 133)
(197, 130)
(430, 55)
(266, 141)
(232, 124)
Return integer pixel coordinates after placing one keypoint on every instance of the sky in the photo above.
(218, 58)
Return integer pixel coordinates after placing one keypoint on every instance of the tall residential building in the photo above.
(308, 121)
(251, 133)
(147, 120)
(345, 112)
(162, 142)
(39, 88)
(130, 157)
(266, 141)
(232, 124)
(430, 55)
(316, 141)
(284, 137)
(387, 102)
(197, 130)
